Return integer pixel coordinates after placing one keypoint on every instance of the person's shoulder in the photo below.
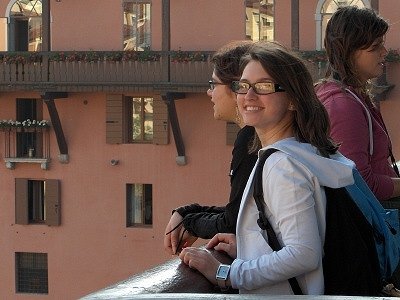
(330, 91)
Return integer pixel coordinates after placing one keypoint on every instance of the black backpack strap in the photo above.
(262, 220)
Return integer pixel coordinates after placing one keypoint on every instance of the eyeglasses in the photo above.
(214, 83)
(260, 88)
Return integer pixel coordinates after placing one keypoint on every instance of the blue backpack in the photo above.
(362, 239)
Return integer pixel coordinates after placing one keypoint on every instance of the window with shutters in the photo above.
(31, 273)
(139, 204)
(136, 119)
(37, 202)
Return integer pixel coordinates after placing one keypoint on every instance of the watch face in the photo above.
(223, 271)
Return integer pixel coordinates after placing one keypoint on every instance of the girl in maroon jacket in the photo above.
(354, 42)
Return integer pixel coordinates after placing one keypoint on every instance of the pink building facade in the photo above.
(84, 201)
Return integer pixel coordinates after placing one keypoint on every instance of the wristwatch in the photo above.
(222, 276)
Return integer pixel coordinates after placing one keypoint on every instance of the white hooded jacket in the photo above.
(293, 180)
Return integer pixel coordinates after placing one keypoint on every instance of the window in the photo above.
(29, 144)
(135, 119)
(36, 208)
(31, 273)
(25, 28)
(136, 29)
(140, 122)
(37, 202)
(139, 204)
(325, 9)
(260, 24)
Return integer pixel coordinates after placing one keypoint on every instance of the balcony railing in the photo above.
(175, 280)
(26, 145)
(118, 71)
(104, 71)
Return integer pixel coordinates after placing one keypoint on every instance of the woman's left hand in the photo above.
(201, 260)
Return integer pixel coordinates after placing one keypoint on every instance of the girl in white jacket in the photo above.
(276, 95)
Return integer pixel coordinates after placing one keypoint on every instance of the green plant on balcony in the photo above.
(393, 55)
(26, 124)
(24, 57)
(319, 56)
(113, 56)
(314, 56)
(187, 56)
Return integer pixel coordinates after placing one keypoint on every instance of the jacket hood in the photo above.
(328, 89)
(333, 172)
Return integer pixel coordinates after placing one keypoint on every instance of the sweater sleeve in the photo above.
(349, 127)
(208, 223)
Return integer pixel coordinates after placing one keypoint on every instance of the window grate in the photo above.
(31, 273)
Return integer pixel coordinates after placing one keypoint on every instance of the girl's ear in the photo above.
(291, 106)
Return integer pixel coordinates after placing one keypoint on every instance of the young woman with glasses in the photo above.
(276, 96)
(189, 222)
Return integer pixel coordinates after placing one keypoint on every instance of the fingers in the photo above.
(223, 242)
(201, 260)
(194, 257)
(172, 233)
(220, 238)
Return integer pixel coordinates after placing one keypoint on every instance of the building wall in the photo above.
(93, 248)
(93, 243)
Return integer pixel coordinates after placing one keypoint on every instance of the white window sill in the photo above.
(11, 161)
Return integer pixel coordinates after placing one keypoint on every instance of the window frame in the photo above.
(146, 197)
(320, 18)
(256, 22)
(51, 205)
(135, 47)
(26, 21)
(129, 120)
(29, 108)
(117, 115)
(34, 259)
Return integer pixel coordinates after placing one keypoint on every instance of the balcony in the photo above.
(107, 71)
(26, 145)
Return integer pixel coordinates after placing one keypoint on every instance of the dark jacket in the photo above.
(206, 221)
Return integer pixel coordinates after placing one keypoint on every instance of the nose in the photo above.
(209, 92)
(250, 93)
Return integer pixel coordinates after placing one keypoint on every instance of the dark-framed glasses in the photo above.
(260, 88)
(214, 83)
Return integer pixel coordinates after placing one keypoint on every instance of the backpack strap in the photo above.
(262, 221)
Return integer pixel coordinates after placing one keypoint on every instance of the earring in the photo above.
(291, 106)
(238, 117)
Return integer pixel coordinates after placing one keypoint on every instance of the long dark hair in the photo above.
(311, 121)
(350, 29)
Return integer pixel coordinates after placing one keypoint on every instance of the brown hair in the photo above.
(226, 60)
(311, 122)
(350, 29)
